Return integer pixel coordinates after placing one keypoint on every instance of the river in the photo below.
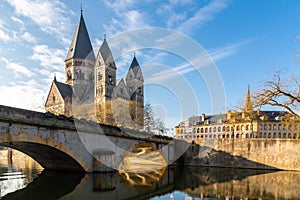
(22, 178)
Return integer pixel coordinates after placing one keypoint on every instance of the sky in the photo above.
(246, 41)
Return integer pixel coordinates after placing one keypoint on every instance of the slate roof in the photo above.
(272, 115)
(106, 54)
(81, 46)
(134, 66)
(64, 89)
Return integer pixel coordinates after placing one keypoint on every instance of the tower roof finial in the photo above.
(104, 36)
(81, 8)
(134, 54)
(54, 77)
(248, 104)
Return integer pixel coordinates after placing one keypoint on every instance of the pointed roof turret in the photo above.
(248, 104)
(135, 66)
(107, 54)
(81, 46)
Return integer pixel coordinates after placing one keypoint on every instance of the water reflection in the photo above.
(176, 183)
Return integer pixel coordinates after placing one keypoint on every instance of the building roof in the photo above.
(81, 46)
(64, 89)
(135, 66)
(273, 115)
(107, 54)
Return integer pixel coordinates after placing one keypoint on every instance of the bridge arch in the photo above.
(49, 154)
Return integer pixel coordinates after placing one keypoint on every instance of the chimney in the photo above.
(228, 116)
(203, 117)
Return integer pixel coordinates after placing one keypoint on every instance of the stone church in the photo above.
(91, 85)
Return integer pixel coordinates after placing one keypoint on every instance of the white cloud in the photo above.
(119, 5)
(19, 21)
(50, 16)
(17, 69)
(50, 58)
(213, 55)
(28, 37)
(25, 96)
(203, 15)
(127, 16)
(4, 36)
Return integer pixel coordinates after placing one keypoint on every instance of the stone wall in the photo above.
(246, 153)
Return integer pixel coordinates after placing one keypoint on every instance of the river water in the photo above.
(30, 181)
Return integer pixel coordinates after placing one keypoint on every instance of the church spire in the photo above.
(248, 104)
(81, 46)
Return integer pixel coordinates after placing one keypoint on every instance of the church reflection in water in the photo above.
(200, 183)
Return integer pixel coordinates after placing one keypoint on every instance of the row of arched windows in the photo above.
(220, 129)
(278, 127)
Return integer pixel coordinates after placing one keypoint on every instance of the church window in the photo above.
(121, 91)
(110, 78)
(53, 98)
(99, 76)
(69, 75)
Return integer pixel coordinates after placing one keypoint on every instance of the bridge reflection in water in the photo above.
(216, 183)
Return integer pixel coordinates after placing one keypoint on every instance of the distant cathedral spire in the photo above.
(248, 104)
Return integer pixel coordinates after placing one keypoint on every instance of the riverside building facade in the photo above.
(248, 123)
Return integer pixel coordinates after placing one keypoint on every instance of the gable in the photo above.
(121, 90)
(54, 96)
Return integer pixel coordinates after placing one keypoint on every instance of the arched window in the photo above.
(198, 130)
(210, 129)
(238, 127)
(99, 76)
(69, 75)
(270, 135)
(260, 127)
(270, 127)
(290, 127)
(284, 127)
(227, 128)
(279, 127)
(201, 130)
(274, 127)
(265, 127)
(215, 129)
(223, 129)
(219, 129)
(205, 130)
(247, 127)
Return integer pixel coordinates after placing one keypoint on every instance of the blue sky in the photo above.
(246, 40)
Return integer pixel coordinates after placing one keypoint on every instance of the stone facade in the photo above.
(248, 123)
(92, 86)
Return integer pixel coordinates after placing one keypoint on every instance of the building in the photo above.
(248, 123)
(91, 88)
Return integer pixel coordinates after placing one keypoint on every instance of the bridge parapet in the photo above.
(58, 142)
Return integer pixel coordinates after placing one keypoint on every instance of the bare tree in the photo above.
(279, 93)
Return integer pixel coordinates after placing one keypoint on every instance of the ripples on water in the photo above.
(25, 179)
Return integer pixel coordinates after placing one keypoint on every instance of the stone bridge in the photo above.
(62, 143)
